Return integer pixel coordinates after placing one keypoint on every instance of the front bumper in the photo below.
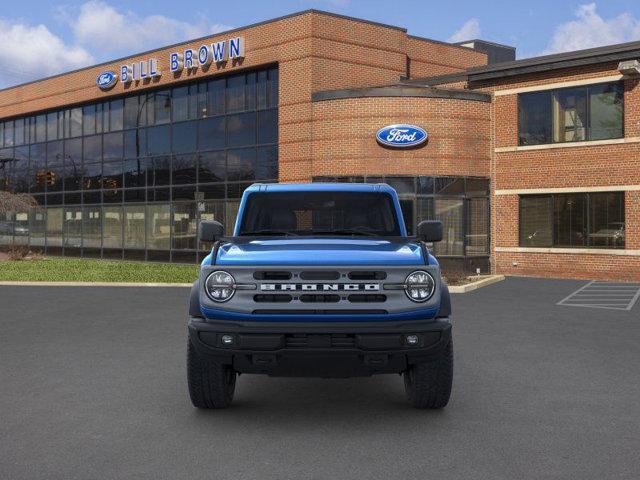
(318, 349)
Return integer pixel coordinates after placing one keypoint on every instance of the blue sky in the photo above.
(43, 37)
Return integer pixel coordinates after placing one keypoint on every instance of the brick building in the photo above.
(529, 164)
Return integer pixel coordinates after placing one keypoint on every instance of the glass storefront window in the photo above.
(96, 168)
(112, 227)
(158, 227)
(54, 227)
(451, 213)
(477, 232)
(185, 226)
(92, 227)
(134, 227)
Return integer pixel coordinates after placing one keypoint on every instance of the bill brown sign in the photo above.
(189, 59)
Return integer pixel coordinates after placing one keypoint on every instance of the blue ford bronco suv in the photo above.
(319, 280)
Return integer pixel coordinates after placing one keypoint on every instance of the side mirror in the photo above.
(210, 231)
(430, 230)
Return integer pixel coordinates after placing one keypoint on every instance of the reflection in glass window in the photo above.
(89, 120)
(184, 226)
(52, 126)
(268, 126)
(451, 213)
(37, 226)
(211, 133)
(606, 220)
(92, 227)
(477, 236)
(213, 210)
(54, 227)
(536, 216)
(570, 218)
(75, 122)
(570, 115)
(92, 149)
(184, 169)
(241, 129)
(267, 163)
(235, 93)
(158, 227)
(241, 164)
(112, 146)
(134, 226)
(112, 227)
(162, 107)
(159, 140)
(131, 112)
(184, 137)
(606, 111)
(216, 97)
(116, 115)
(72, 232)
(180, 103)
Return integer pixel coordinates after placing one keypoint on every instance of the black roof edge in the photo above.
(400, 91)
(225, 32)
(555, 61)
(501, 45)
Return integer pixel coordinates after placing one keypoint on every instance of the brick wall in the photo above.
(580, 167)
(344, 137)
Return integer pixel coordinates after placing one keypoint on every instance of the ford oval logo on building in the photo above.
(106, 80)
(401, 136)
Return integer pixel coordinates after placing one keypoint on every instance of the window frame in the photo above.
(552, 93)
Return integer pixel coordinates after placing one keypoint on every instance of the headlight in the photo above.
(419, 286)
(220, 286)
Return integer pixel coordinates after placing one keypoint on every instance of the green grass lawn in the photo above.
(84, 270)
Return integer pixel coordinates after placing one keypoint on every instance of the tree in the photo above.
(16, 202)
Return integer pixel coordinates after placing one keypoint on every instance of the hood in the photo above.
(325, 251)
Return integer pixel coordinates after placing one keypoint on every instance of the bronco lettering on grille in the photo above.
(320, 287)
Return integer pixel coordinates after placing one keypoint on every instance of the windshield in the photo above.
(320, 213)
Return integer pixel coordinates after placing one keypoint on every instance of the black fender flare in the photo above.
(194, 300)
(445, 302)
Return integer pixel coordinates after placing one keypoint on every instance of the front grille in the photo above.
(271, 275)
(272, 298)
(363, 298)
(362, 275)
(320, 341)
(310, 298)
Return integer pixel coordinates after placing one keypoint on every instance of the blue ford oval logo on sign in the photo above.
(401, 136)
(106, 80)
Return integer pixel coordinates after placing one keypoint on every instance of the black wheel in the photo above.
(211, 384)
(428, 384)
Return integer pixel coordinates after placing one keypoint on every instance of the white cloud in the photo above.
(104, 29)
(97, 32)
(28, 52)
(469, 31)
(591, 30)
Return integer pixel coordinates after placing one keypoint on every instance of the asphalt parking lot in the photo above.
(93, 385)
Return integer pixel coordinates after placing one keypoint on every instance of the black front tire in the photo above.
(211, 384)
(428, 384)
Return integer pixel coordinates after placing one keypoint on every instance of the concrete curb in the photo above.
(476, 285)
(93, 284)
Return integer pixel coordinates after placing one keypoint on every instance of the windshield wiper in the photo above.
(348, 231)
(270, 232)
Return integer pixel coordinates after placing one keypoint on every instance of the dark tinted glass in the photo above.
(92, 149)
(570, 218)
(536, 221)
(268, 126)
(183, 169)
(235, 93)
(184, 137)
(212, 167)
(134, 173)
(267, 163)
(606, 220)
(211, 133)
(321, 213)
(241, 129)
(534, 118)
(158, 140)
(241, 164)
(112, 146)
(606, 107)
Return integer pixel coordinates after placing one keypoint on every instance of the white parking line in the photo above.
(595, 294)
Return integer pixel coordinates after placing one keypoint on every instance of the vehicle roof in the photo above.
(321, 187)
